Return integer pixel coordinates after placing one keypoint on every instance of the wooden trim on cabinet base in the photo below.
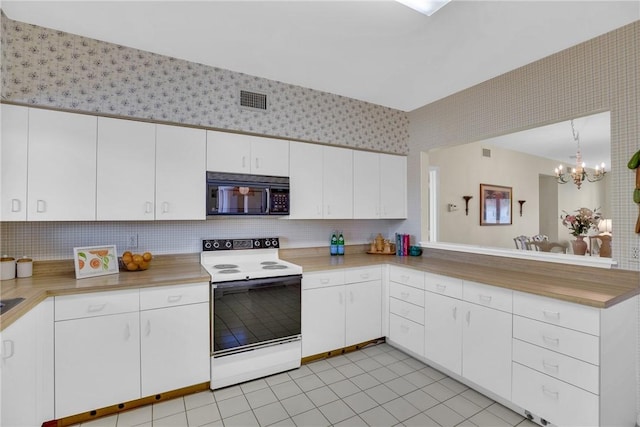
(125, 406)
(339, 351)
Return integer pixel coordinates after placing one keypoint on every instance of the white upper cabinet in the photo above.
(393, 186)
(126, 170)
(180, 173)
(13, 155)
(238, 153)
(337, 179)
(379, 185)
(306, 185)
(62, 166)
(321, 182)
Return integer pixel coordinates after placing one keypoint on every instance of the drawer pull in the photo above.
(551, 341)
(405, 312)
(96, 308)
(324, 281)
(441, 288)
(552, 394)
(174, 298)
(485, 298)
(405, 278)
(404, 328)
(405, 295)
(551, 314)
(550, 366)
(364, 276)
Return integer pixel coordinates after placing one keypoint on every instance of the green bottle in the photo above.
(341, 244)
(333, 249)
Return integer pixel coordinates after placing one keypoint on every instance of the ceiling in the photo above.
(376, 51)
(556, 141)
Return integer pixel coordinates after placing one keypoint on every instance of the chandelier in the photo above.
(579, 173)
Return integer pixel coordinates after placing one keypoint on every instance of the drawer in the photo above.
(96, 304)
(169, 296)
(562, 340)
(406, 310)
(561, 313)
(406, 293)
(362, 274)
(565, 368)
(556, 401)
(407, 334)
(443, 285)
(489, 296)
(322, 278)
(406, 276)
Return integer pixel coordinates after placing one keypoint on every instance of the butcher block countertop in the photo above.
(590, 286)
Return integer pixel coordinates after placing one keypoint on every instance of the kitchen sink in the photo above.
(8, 304)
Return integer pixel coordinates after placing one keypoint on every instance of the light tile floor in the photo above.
(376, 386)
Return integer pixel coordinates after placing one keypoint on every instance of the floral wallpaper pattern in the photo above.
(55, 69)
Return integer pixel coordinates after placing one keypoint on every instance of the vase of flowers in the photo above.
(580, 223)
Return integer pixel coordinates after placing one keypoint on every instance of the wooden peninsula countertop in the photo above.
(590, 286)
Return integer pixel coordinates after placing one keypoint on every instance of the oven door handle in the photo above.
(259, 282)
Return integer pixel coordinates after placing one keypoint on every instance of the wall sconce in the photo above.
(466, 204)
(522, 202)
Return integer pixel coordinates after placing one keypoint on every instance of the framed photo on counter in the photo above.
(93, 261)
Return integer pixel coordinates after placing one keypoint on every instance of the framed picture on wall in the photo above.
(496, 204)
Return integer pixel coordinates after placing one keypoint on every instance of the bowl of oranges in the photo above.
(136, 262)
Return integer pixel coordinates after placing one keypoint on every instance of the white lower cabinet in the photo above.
(117, 346)
(26, 369)
(97, 351)
(468, 330)
(572, 363)
(174, 342)
(340, 308)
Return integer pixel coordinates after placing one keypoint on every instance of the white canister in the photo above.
(7, 268)
(24, 267)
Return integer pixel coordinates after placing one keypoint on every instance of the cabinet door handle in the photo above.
(341, 298)
(127, 332)
(244, 162)
(552, 394)
(318, 210)
(94, 308)
(148, 207)
(328, 209)
(41, 206)
(550, 366)
(7, 349)
(257, 163)
(551, 341)
(16, 205)
(485, 298)
(165, 207)
(174, 298)
(551, 314)
(351, 296)
(148, 328)
(468, 317)
(455, 313)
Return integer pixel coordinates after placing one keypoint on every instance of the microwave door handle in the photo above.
(268, 200)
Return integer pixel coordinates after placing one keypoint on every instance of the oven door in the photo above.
(251, 313)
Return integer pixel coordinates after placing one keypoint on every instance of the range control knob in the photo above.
(267, 242)
(216, 244)
(257, 243)
(274, 243)
(228, 244)
(207, 244)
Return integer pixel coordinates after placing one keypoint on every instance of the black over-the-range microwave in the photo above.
(243, 194)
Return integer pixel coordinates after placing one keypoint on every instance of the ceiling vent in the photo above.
(253, 101)
(486, 152)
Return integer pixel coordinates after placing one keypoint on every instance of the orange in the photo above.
(132, 266)
(144, 265)
(126, 253)
(127, 258)
(147, 256)
(95, 263)
(138, 259)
